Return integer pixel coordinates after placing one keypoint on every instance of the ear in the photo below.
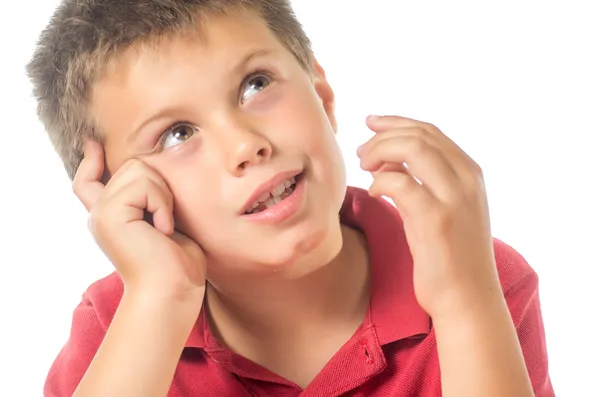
(325, 92)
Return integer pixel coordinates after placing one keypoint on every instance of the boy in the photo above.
(200, 136)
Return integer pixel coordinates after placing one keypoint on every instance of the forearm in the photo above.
(479, 350)
(141, 349)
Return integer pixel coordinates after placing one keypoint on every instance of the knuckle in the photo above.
(76, 186)
(429, 126)
(444, 222)
(477, 170)
(456, 199)
(95, 221)
(400, 181)
(475, 181)
(132, 166)
(418, 145)
(169, 197)
(80, 169)
(370, 147)
(133, 162)
(77, 182)
(472, 165)
(140, 185)
(146, 183)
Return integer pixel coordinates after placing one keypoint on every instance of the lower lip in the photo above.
(283, 210)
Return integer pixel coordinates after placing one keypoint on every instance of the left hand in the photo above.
(446, 216)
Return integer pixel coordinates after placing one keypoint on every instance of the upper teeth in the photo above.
(273, 197)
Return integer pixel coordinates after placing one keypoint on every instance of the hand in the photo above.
(440, 194)
(150, 258)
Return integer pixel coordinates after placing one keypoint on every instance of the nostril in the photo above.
(248, 156)
(242, 166)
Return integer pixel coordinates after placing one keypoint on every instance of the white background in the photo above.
(515, 83)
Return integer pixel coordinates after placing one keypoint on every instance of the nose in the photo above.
(246, 148)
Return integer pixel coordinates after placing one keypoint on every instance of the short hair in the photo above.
(84, 36)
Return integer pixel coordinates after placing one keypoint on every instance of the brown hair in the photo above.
(84, 36)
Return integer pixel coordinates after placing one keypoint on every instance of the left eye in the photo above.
(177, 135)
(254, 85)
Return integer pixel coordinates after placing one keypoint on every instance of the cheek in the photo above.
(314, 129)
(195, 206)
(189, 206)
(306, 122)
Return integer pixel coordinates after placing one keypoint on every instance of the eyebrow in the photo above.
(251, 56)
(236, 69)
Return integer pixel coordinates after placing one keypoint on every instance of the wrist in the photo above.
(478, 347)
(162, 293)
(164, 306)
(469, 303)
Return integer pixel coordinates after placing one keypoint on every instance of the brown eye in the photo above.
(177, 135)
(254, 85)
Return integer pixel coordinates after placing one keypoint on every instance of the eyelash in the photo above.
(257, 73)
(163, 137)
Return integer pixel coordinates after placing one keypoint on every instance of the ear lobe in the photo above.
(326, 94)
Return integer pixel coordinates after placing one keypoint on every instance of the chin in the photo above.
(306, 254)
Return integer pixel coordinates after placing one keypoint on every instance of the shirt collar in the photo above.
(394, 310)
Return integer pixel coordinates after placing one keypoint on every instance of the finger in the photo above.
(146, 195)
(87, 184)
(137, 173)
(460, 160)
(400, 167)
(380, 124)
(409, 196)
(385, 123)
(161, 207)
(132, 171)
(391, 167)
(423, 161)
(416, 132)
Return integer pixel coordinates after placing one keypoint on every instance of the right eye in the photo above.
(176, 135)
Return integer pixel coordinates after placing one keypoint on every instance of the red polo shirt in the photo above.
(392, 354)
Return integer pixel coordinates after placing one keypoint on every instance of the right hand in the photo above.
(151, 258)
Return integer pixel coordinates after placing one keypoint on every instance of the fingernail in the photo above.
(374, 118)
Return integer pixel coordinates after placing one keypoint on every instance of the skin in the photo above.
(236, 136)
(446, 219)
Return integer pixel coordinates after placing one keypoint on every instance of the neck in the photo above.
(333, 296)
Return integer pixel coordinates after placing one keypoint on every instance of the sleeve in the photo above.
(521, 292)
(76, 355)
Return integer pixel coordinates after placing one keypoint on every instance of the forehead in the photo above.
(150, 79)
(220, 37)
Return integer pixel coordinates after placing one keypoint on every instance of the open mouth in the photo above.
(275, 196)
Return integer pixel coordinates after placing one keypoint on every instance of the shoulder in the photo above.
(91, 319)
(520, 287)
(520, 284)
(513, 268)
(104, 296)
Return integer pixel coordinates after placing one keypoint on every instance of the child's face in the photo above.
(234, 130)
